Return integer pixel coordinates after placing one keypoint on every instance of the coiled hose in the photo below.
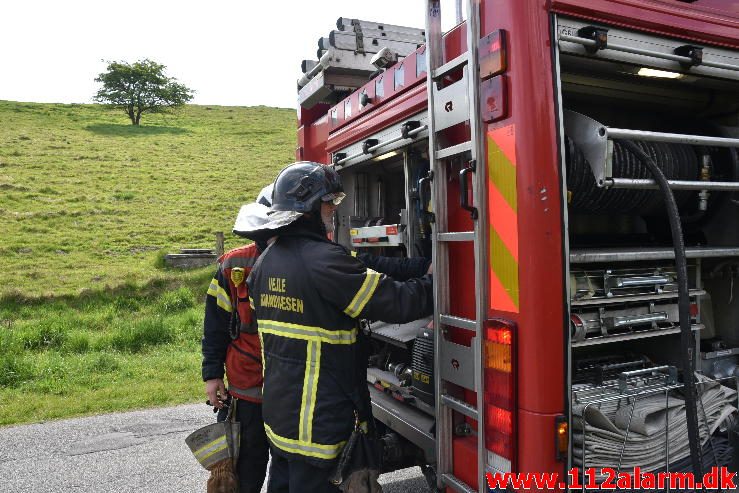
(687, 341)
(677, 162)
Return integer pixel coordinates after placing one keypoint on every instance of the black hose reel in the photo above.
(676, 161)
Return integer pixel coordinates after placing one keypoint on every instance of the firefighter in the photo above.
(230, 339)
(308, 294)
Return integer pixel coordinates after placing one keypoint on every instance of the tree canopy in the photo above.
(140, 87)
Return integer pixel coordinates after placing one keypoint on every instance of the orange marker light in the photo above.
(498, 356)
(562, 438)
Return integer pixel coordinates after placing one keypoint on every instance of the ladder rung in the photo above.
(459, 236)
(456, 484)
(459, 322)
(454, 150)
(450, 66)
(459, 406)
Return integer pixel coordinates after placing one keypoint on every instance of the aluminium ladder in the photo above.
(447, 106)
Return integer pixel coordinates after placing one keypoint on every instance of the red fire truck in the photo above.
(571, 166)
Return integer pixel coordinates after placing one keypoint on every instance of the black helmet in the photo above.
(303, 185)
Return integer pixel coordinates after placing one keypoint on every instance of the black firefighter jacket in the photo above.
(309, 293)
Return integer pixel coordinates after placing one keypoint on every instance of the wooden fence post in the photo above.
(219, 243)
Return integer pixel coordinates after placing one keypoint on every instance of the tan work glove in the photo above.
(222, 478)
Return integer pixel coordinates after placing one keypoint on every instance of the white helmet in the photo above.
(251, 217)
(254, 216)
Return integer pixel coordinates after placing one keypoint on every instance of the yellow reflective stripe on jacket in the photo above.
(307, 333)
(310, 388)
(364, 294)
(222, 298)
(261, 348)
(353, 254)
(301, 447)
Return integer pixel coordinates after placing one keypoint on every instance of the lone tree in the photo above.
(139, 88)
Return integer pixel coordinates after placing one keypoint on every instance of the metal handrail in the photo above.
(645, 136)
(655, 54)
(380, 145)
(649, 184)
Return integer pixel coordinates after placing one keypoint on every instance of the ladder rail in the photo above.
(434, 60)
(479, 194)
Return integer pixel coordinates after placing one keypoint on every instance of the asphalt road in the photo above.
(140, 451)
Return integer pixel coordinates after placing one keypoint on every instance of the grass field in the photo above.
(90, 320)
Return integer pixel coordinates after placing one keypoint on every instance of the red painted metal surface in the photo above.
(540, 369)
(461, 255)
(465, 452)
(404, 106)
(531, 102)
(536, 432)
(312, 141)
(705, 21)
(306, 116)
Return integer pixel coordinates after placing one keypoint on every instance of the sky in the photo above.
(236, 53)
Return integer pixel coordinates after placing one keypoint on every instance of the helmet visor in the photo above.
(334, 198)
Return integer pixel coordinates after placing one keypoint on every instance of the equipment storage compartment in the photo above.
(626, 103)
(384, 214)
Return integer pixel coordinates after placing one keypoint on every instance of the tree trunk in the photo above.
(132, 116)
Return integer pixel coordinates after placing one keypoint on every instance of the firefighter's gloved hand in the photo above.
(362, 481)
(215, 389)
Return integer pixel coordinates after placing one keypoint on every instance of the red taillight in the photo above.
(499, 335)
(391, 230)
(499, 418)
(498, 389)
(499, 431)
(500, 403)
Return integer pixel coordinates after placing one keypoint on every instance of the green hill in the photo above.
(90, 321)
(89, 200)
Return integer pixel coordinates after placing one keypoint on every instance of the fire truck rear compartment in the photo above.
(623, 299)
(623, 283)
(624, 333)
